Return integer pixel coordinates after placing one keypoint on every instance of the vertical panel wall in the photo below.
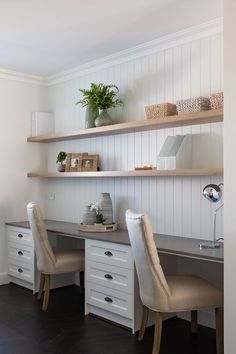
(174, 204)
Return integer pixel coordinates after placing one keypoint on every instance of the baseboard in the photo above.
(4, 278)
(205, 317)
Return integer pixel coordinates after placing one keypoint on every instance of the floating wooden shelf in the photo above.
(148, 173)
(134, 126)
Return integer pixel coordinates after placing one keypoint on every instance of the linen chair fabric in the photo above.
(48, 261)
(167, 294)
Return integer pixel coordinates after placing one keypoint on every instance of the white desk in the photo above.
(111, 285)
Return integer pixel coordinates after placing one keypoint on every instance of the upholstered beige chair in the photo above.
(172, 293)
(48, 261)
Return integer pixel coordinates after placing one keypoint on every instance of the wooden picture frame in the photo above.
(74, 162)
(89, 163)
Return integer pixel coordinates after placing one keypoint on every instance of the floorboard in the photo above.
(63, 329)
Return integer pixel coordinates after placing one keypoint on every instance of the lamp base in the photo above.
(209, 244)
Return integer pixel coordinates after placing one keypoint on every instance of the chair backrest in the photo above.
(154, 290)
(45, 256)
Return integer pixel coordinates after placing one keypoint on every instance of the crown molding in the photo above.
(169, 41)
(22, 77)
(172, 40)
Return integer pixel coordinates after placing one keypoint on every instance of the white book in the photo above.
(42, 123)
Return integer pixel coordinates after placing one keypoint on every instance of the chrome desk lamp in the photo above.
(213, 193)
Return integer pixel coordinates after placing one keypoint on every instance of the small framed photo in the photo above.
(74, 162)
(89, 163)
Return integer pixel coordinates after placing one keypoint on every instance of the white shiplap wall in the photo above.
(174, 204)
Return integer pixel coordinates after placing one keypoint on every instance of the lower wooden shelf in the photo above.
(147, 173)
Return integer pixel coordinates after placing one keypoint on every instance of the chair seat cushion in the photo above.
(192, 293)
(69, 261)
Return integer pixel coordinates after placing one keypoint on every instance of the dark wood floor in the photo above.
(63, 329)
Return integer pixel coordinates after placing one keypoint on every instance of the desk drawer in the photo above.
(21, 253)
(21, 270)
(116, 278)
(20, 236)
(110, 300)
(109, 253)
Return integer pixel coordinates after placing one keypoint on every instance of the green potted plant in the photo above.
(60, 161)
(103, 97)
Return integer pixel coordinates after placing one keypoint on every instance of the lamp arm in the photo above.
(214, 221)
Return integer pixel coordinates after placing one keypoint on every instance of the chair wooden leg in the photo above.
(46, 292)
(219, 314)
(194, 327)
(41, 286)
(144, 322)
(157, 333)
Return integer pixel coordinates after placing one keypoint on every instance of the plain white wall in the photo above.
(17, 101)
(230, 173)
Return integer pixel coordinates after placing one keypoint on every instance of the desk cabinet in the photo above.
(111, 288)
(21, 257)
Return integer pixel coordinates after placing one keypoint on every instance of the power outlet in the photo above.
(51, 196)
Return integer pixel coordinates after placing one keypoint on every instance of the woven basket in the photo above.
(160, 110)
(217, 100)
(191, 105)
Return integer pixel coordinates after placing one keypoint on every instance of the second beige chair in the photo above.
(172, 293)
(48, 261)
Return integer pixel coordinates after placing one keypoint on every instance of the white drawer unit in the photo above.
(21, 270)
(111, 300)
(21, 253)
(110, 253)
(111, 285)
(21, 257)
(110, 276)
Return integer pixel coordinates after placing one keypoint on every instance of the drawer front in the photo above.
(109, 276)
(109, 253)
(21, 270)
(110, 300)
(20, 235)
(21, 253)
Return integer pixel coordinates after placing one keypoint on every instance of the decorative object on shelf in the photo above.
(89, 163)
(91, 114)
(60, 161)
(213, 193)
(99, 219)
(217, 100)
(98, 227)
(145, 168)
(103, 119)
(42, 123)
(160, 110)
(74, 161)
(105, 206)
(89, 216)
(175, 153)
(195, 104)
(103, 97)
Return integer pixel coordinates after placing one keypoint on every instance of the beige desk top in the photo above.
(181, 246)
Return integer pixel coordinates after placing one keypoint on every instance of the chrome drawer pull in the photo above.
(20, 235)
(108, 276)
(20, 270)
(108, 299)
(20, 253)
(108, 253)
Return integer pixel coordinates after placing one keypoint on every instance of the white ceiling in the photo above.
(44, 37)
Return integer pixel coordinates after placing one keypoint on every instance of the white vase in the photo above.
(105, 206)
(89, 216)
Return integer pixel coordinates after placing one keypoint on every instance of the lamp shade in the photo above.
(212, 192)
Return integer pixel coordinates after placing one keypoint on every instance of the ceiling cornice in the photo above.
(171, 40)
(22, 77)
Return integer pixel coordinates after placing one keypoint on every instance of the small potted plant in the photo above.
(99, 217)
(60, 161)
(103, 97)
